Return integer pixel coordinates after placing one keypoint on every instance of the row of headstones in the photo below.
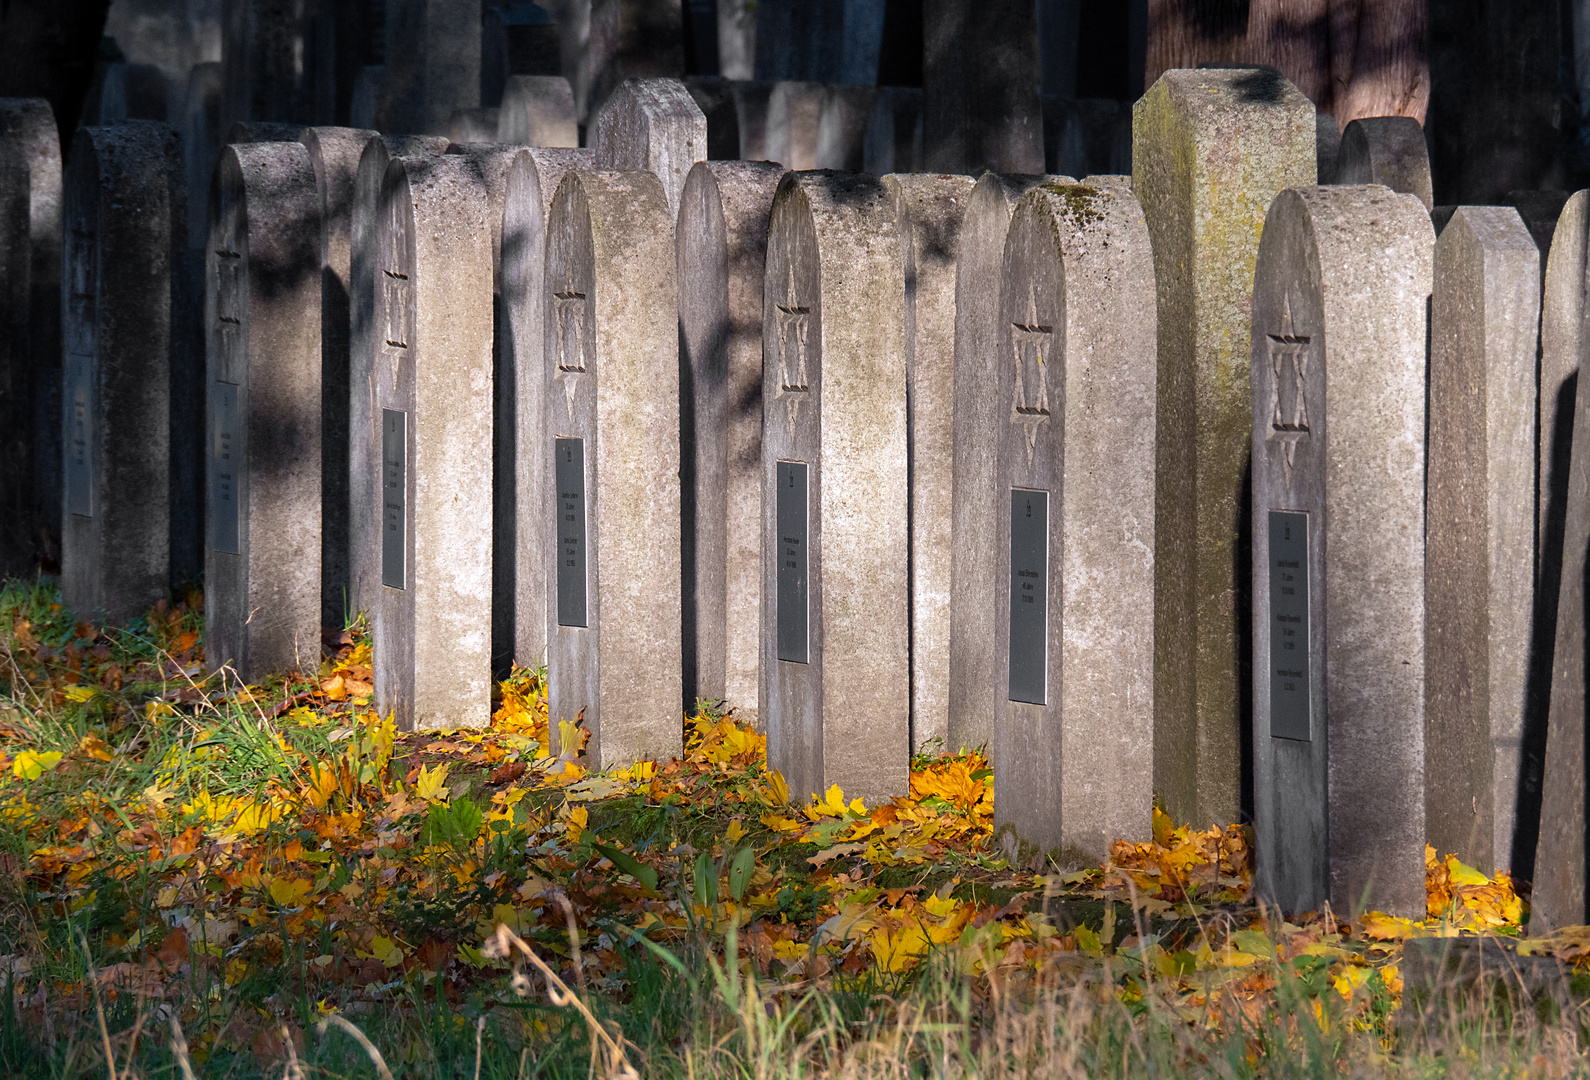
(845, 607)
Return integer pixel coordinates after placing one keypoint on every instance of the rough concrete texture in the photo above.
(976, 671)
(538, 110)
(1210, 151)
(433, 251)
(1338, 414)
(842, 127)
(200, 127)
(1479, 525)
(1327, 146)
(335, 152)
(262, 597)
(928, 211)
(1540, 211)
(612, 380)
(833, 393)
(721, 243)
(1077, 375)
(980, 108)
(432, 64)
(794, 114)
(652, 124)
(894, 131)
(122, 192)
(365, 323)
(752, 105)
(521, 538)
(1387, 150)
(31, 124)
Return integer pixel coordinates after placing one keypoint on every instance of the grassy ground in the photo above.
(270, 881)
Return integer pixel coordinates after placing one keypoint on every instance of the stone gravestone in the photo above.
(268, 53)
(722, 250)
(1338, 413)
(1073, 740)
(1386, 150)
(928, 211)
(715, 98)
(612, 432)
(366, 321)
(1211, 149)
(30, 124)
(363, 108)
(18, 544)
(655, 125)
(262, 601)
(634, 39)
(1327, 146)
(980, 107)
(473, 126)
(752, 105)
(433, 396)
(1561, 335)
(842, 127)
(794, 114)
(201, 142)
(537, 110)
(1480, 524)
(835, 544)
(122, 211)
(894, 131)
(432, 64)
(334, 154)
(976, 672)
(520, 535)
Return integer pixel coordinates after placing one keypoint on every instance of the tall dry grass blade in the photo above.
(294, 1070)
(99, 1009)
(480, 1027)
(179, 1049)
(359, 1037)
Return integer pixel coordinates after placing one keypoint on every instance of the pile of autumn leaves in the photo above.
(382, 859)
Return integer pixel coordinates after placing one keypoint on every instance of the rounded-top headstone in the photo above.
(794, 114)
(1386, 150)
(538, 110)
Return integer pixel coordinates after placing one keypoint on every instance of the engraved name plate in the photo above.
(1029, 596)
(225, 459)
(793, 536)
(79, 450)
(570, 457)
(1289, 676)
(394, 495)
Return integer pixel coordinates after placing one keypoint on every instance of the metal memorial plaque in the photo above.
(569, 455)
(225, 457)
(1029, 596)
(1289, 675)
(394, 497)
(79, 449)
(794, 526)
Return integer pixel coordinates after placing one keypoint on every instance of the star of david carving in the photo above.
(80, 260)
(569, 311)
(794, 329)
(228, 313)
(1030, 342)
(1288, 354)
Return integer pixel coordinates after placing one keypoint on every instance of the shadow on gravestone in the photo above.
(794, 113)
(715, 98)
(1073, 737)
(721, 245)
(30, 123)
(1338, 411)
(1327, 147)
(1211, 148)
(537, 110)
(473, 126)
(894, 131)
(752, 102)
(366, 321)
(835, 624)
(929, 210)
(262, 595)
(976, 674)
(433, 393)
(1386, 150)
(122, 195)
(432, 64)
(522, 508)
(612, 393)
(1479, 521)
(334, 154)
(1561, 339)
(842, 127)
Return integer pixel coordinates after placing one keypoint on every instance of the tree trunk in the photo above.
(1390, 73)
